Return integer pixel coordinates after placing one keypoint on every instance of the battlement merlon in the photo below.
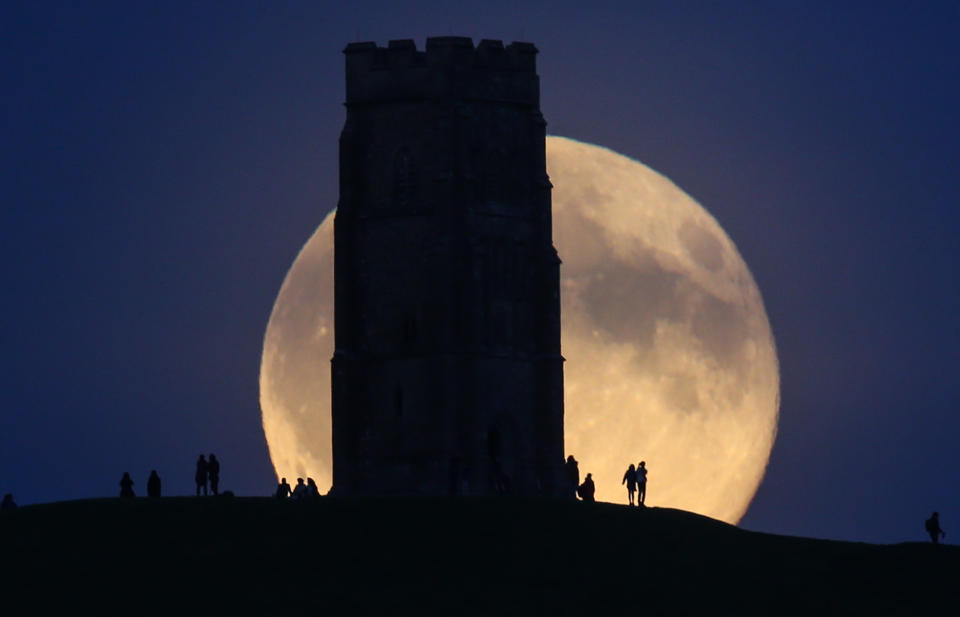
(450, 68)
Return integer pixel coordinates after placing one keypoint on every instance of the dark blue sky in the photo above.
(163, 163)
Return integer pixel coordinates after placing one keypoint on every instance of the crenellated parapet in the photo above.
(450, 67)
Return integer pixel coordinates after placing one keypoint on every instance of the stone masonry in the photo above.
(447, 375)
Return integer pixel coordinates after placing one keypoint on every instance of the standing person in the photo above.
(8, 502)
(587, 489)
(572, 470)
(299, 491)
(630, 479)
(641, 483)
(312, 491)
(933, 528)
(126, 485)
(283, 489)
(213, 470)
(201, 475)
(153, 484)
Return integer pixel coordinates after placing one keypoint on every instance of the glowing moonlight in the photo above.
(670, 357)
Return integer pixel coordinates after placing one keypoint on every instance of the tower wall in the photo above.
(447, 374)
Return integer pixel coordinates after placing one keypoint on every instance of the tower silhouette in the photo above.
(447, 375)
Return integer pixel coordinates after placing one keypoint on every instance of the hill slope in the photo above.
(252, 556)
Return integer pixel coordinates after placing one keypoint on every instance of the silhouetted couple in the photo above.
(636, 480)
(208, 470)
(302, 492)
(585, 490)
(933, 528)
(153, 485)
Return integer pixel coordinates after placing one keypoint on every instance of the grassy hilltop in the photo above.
(258, 556)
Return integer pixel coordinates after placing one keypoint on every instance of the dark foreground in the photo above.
(248, 556)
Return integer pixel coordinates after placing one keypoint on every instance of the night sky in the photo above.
(163, 163)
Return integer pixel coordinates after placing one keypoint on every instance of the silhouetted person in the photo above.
(300, 490)
(312, 491)
(153, 484)
(126, 485)
(572, 470)
(8, 503)
(213, 471)
(630, 479)
(641, 483)
(498, 478)
(587, 489)
(933, 528)
(201, 475)
(283, 489)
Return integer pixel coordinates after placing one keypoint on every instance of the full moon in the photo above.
(670, 355)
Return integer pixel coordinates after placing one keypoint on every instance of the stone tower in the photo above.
(447, 375)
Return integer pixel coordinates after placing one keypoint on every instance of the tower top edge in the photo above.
(442, 51)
